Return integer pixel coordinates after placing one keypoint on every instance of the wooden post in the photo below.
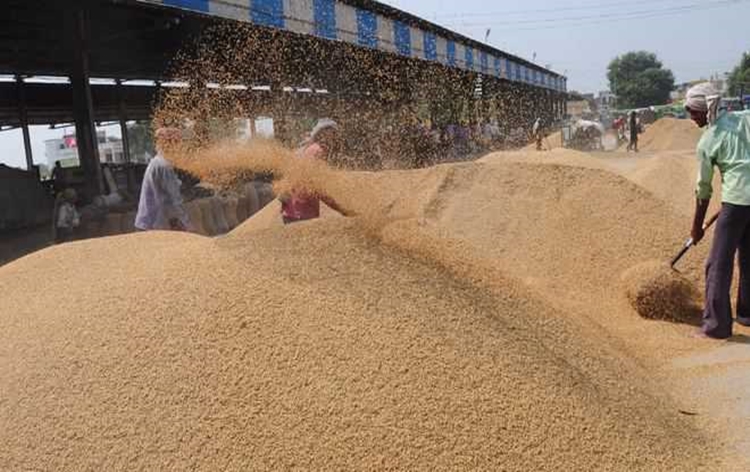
(83, 106)
(24, 118)
(122, 117)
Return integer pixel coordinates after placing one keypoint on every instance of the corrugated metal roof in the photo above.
(368, 23)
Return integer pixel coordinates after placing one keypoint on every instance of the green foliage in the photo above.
(575, 96)
(639, 80)
(739, 78)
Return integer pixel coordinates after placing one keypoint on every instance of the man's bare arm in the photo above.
(335, 206)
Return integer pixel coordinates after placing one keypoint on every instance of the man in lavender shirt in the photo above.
(160, 206)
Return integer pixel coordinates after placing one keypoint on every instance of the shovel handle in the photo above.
(690, 243)
(711, 221)
(683, 251)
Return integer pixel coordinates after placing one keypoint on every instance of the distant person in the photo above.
(450, 136)
(726, 145)
(301, 205)
(491, 133)
(619, 127)
(476, 138)
(634, 127)
(423, 148)
(519, 137)
(538, 134)
(67, 218)
(58, 178)
(161, 206)
(462, 139)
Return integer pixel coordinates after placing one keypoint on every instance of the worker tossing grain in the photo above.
(300, 204)
(726, 145)
(160, 206)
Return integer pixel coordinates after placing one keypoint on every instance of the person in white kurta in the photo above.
(161, 206)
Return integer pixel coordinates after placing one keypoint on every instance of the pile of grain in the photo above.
(405, 339)
(658, 292)
(670, 134)
(564, 226)
(671, 177)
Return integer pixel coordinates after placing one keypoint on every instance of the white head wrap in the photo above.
(704, 97)
(323, 124)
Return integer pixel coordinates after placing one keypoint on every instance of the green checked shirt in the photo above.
(726, 145)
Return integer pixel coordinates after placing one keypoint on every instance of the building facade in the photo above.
(65, 150)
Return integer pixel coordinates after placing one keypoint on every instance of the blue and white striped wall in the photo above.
(335, 20)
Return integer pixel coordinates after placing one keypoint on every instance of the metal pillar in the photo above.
(122, 117)
(563, 107)
(83, 106)
(550, 102)
(24, 118)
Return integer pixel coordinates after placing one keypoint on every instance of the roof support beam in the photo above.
(24, 120)
(125, 138)
(83, 105)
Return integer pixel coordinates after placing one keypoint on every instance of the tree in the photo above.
(575, 95)
(639, 79)
(739, 78)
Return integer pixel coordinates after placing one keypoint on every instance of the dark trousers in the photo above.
(64, 235)
(633, 144)
(732, 236)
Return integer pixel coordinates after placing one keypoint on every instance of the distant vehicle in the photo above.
(584, 135)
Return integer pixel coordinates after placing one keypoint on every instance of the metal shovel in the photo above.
(690, 243)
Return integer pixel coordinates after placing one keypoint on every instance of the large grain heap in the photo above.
(670, 134)
(393, 340)
(468, 318)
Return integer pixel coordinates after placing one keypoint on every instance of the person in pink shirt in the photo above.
(300, 205)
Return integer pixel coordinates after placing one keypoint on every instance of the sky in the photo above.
(694, 38)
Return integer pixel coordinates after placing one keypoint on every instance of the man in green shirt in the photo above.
(725, 145)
